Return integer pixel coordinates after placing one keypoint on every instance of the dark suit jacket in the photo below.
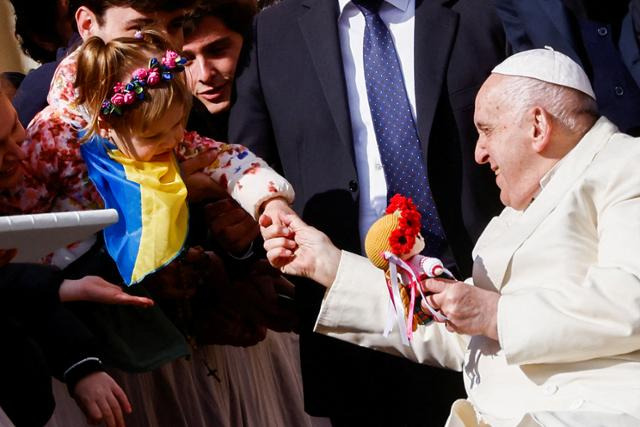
(291, 109)
(31, 96)
(531, 24)
(40, 338)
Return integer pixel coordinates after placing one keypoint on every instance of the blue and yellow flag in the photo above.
(150, 198)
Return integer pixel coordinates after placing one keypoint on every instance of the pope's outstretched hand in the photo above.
(299, 249)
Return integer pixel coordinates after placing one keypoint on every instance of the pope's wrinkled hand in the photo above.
(300, 250)
(469, 310)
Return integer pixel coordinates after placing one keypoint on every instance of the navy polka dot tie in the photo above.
(396, 133)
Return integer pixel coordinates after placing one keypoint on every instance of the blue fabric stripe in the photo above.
(122, 239)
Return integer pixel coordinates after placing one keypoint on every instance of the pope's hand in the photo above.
(469, 310)
(300, 250)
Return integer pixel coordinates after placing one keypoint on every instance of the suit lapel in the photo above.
(504, 236)
(435, 29)
(319, 27)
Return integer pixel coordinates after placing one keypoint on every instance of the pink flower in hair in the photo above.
(118, 87)
(153, 78)
(140, 74)
(129, 98)
(169, 59)
(117, 99)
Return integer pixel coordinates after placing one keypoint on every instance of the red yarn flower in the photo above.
(410, 221)
(403, 238)
(401, 242)
(399, 202)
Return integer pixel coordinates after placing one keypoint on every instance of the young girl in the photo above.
(135, 94)
(56, 178)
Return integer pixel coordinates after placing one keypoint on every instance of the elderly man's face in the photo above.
(212, 51)
(11, 135)
(505, 144)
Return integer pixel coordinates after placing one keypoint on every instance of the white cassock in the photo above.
(568, 271)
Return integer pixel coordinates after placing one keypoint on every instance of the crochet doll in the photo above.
(393, 244)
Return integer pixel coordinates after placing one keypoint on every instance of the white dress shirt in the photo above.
(399, 17)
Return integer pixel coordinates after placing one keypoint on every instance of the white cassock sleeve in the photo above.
(355, 310)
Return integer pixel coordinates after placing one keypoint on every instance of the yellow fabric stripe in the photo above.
(165, 215)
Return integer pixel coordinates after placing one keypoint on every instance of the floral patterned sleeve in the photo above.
(36, 192)
(55, 176)
(247, 178)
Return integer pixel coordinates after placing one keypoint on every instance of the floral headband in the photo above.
(142, 78)
(403, 238)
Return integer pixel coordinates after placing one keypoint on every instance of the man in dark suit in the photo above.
(302, 103)
(603, 37)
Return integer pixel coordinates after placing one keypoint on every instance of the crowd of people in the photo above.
(249, 146)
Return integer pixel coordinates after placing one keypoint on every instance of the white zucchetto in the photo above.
(548, 66)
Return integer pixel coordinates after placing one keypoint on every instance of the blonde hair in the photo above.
(377, 239)
(101, 65)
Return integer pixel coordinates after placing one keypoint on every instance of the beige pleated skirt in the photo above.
(258, 386)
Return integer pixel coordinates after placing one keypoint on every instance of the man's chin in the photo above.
(503, 198)
(216, 107)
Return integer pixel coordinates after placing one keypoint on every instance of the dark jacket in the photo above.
(31, 96)
(42, 339)
(292, 110)
(603, 38)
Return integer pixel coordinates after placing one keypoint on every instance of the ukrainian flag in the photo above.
(150, 198)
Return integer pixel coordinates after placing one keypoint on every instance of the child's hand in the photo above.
(273, 227)
(271, 223)
(96, 289)
(102, 399)
(232, 227)
(279, 240)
